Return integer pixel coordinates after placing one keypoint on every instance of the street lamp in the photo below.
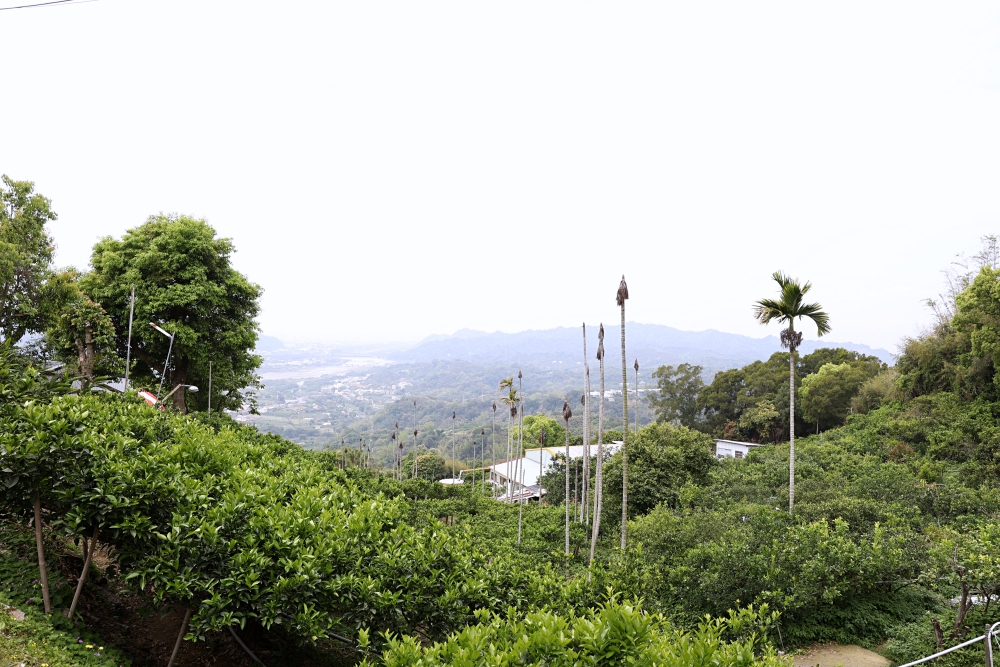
(165, 363)
(189, 387)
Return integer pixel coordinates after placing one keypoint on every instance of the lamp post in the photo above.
(128, 347)
(189, 387)
(165, 363)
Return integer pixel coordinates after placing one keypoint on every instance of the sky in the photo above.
(389, 170)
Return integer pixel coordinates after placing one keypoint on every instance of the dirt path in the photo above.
(837, 655)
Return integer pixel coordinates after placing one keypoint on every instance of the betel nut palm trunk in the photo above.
(792, 345)
(566, 415)
(586, 432)
(599, 481)
(621, 297)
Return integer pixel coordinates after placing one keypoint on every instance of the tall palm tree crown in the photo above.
(787, 308)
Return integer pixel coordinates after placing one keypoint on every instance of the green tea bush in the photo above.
(613, 634)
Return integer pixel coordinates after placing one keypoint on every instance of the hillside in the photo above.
(653, 344)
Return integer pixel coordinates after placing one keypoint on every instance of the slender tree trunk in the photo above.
(88, 336)
(567, 487)
(624, 434)
(586, 430)
(541, 457)
(577, 516)
(791, 426)
(178, 377)
(521, 461)
(42, 569)
(599, 481)
(180, 637)
(511, 474)
(493, 428)
(636, 417)
(88, 554)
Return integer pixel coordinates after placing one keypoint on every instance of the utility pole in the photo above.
(128, 349)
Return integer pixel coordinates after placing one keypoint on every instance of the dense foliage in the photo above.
(751, 403)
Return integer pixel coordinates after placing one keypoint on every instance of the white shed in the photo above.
(734, 449)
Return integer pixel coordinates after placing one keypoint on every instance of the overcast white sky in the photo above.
(389, 170)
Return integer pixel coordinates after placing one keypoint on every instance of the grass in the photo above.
(40, 640)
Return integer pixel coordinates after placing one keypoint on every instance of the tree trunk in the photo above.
(81, 356)
(87, 370)
(586, 441)
(180, 637)
(791, 424)
(567, 486)
(88, 554)
(179, 377)
(964, 605)
(599, 481)
(42, 569)
(624, 434)
(521, 460)
(493, 430)
(576, 490)
(510, 465)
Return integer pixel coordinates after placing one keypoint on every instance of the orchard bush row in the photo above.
(245, 528)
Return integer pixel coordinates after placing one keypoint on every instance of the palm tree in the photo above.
(787, 308)
(541, 446)
(494, 427)
(520, 454)
(599, 481)
(414, 438)
(395, 455)
(585, 473)
(636, 366)
(567, 413)
(622, 296)
(509, 401)
(586, 428)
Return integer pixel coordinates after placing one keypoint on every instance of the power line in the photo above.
(42, 4)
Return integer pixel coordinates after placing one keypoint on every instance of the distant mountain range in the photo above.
(652, 344)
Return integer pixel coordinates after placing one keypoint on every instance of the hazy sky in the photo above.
(394, 169)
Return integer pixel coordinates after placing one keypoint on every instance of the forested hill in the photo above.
(653, 344)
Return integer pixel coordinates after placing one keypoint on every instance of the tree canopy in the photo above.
(676, 398)
(827, 393)
(25, 255)
(185, 283)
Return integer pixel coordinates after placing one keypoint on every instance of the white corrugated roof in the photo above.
(531, 461)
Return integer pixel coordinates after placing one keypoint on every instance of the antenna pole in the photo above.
(128, 349)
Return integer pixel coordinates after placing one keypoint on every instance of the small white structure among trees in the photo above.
(523, 473)
(734, 449)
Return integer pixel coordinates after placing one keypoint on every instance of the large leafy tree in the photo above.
(677, 394)
(79, 330)
(978, 318)
(663, 459)
(788, 307)
(25, 256)
(827, 393)
(184, 281)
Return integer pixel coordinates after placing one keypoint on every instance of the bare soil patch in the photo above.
(839, 655)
